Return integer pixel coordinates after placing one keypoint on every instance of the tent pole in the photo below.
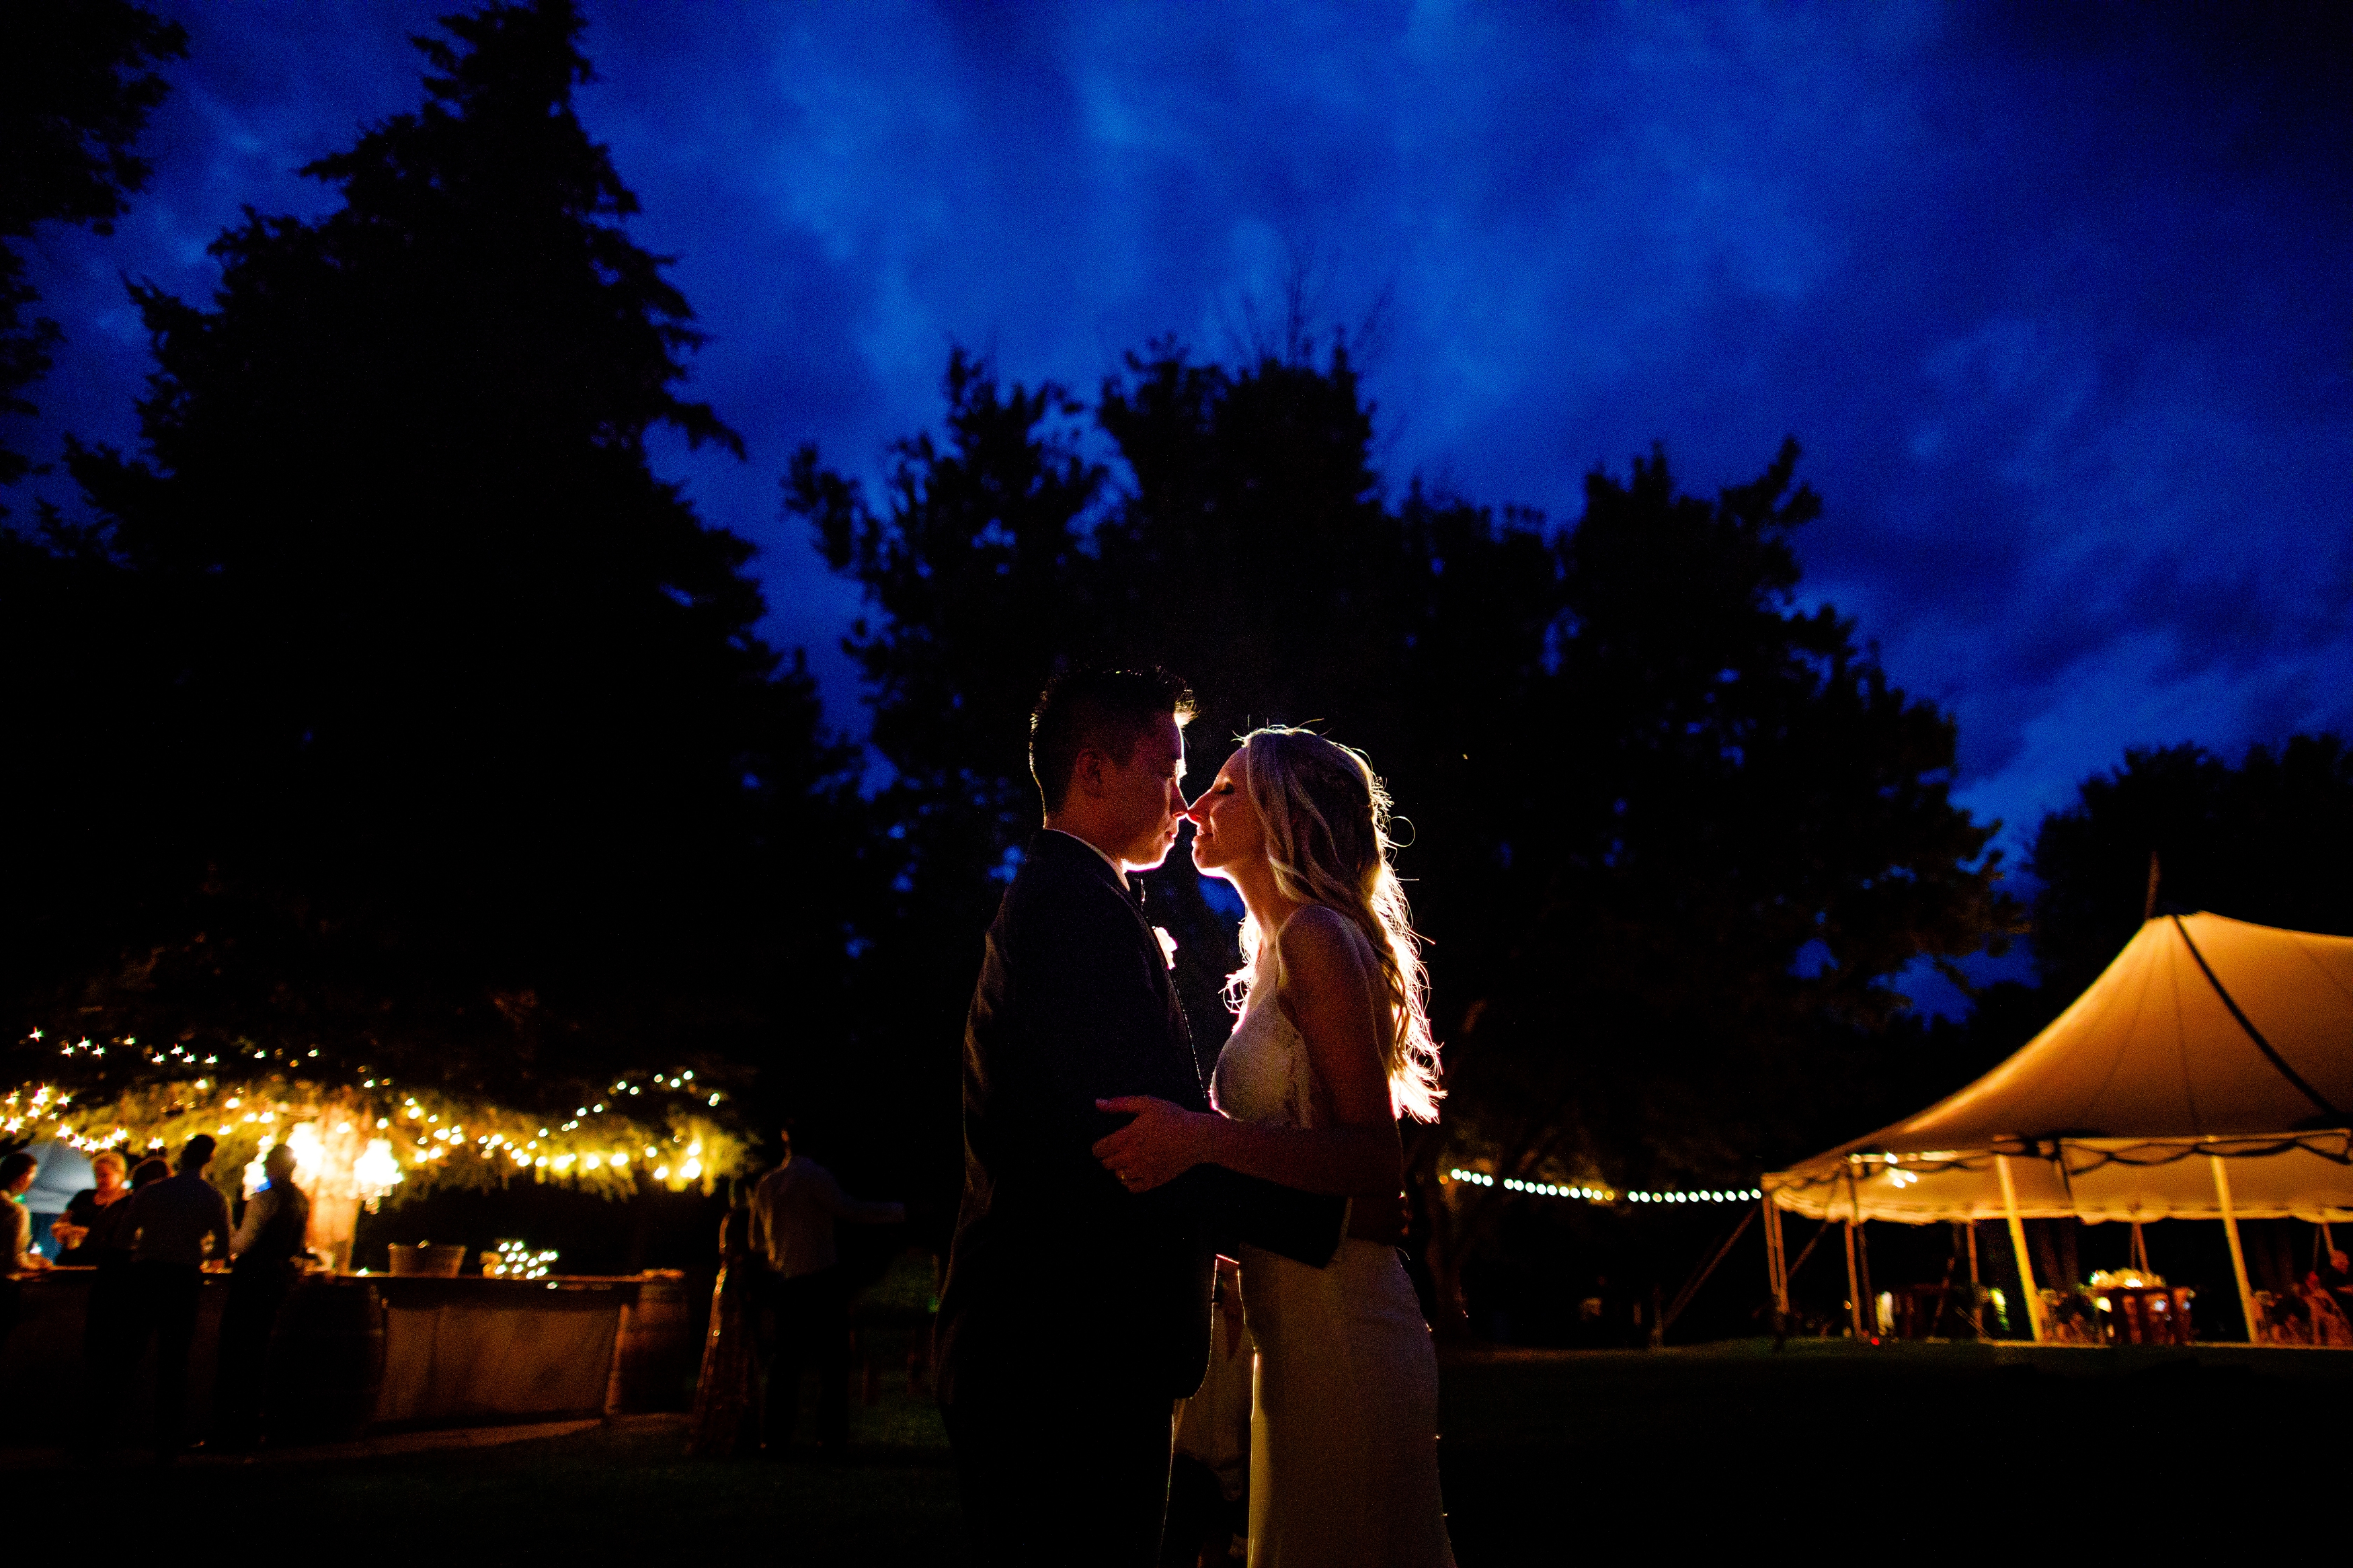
(1853, 1287)
(1976, 1313)
(2237, 1257)
(1862, 1267)
(1777, 1261)
(1853, 1282)
(2018, 1245)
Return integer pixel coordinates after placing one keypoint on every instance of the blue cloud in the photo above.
(2057, 297)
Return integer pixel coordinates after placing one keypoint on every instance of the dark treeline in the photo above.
(76, 84)
(2269, 840)
(386, 703)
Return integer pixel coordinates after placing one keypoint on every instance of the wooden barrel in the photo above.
(660, 1348)
(436, 1261)
(326, 1361)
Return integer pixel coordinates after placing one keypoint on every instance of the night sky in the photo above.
(2059, 301)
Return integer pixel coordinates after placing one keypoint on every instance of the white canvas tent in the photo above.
(2207, 1074)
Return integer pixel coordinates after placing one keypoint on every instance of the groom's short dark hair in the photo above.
(1109, 711)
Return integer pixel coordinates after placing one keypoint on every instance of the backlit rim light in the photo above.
(1603, 1195)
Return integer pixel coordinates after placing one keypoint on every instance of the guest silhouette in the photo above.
(175, 1222)
(112, 1326)
(267, 1245)
(87, 1210)
(724, 1424)
(17, 1254)
(794, 1208)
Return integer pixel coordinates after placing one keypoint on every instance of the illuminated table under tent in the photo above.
(2207, 1074)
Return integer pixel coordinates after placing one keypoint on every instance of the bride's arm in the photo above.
(1331, 997)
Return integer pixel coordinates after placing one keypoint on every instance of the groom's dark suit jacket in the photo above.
(1053, 1258)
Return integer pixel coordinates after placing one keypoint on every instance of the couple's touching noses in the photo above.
(1103, 1177)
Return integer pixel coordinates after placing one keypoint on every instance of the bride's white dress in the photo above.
(1344, 1417)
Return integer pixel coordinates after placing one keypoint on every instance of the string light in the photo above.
(423, 1133)
(1712, 1196)
(516, 1260)
(1593, 1194)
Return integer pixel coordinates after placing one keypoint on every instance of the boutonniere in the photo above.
(1167, 945)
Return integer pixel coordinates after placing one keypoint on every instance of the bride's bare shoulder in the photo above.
(1320, 941)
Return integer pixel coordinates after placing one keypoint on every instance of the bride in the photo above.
(1332, 1046)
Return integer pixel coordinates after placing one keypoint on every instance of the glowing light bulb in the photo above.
(375, 1171)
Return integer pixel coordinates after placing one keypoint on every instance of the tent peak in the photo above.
(2202, 1026)
(2320, 1102)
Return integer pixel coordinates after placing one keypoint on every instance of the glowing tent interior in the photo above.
(2207, 1074)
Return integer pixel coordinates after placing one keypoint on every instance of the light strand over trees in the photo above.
(359, 1142)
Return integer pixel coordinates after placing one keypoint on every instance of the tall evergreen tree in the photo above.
(478, 753)
(76, 84)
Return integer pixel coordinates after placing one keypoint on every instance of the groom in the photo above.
(1075, 1312)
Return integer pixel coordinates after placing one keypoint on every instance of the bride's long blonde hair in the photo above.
(1326, 817)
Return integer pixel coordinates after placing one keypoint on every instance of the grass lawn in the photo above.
(1931, 1453)
(1917, 1453)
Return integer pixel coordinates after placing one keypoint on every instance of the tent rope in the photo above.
(1809, 1252)
(2247, 1024)
(1691, 1286)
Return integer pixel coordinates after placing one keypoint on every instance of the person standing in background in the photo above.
(173, 1223)
(794, 1208)
(86, 1209)
(16, 1256)
(64, 1172)
(725, 1421)
(268, 1240)
(112, 1330)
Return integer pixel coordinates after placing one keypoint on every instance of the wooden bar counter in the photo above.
(357, 1353)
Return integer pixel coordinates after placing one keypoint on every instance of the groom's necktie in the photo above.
(1184, 1030)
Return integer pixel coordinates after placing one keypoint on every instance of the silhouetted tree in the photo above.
(77, 85)
(470, 751)
(76, 89)
(2270, 841)
(1722, 835)
(971, 576)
